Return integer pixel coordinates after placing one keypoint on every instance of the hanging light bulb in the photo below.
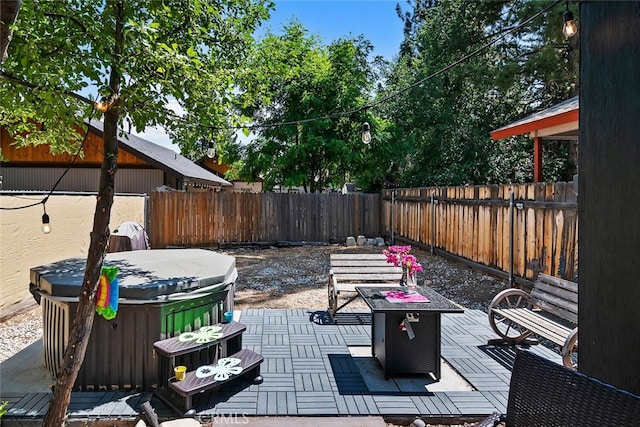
(569, 28)
(211, 151)
(366, 133)
(103, 105)
(46, 226)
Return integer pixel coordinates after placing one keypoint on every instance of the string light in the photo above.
(569, 28)
(211, 151)
(500, 35)
(46, 221)
(103, 105)
(366, 133)
(46, 226)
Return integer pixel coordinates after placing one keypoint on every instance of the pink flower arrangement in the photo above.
(400, 257)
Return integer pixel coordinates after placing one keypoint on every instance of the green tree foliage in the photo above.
(448, 117)
(139, 55)
(293, 78)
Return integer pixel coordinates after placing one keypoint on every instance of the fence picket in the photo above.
(471, 222)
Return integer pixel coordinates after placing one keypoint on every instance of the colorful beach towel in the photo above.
(107, 296)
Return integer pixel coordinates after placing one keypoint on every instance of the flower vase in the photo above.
(412, 283)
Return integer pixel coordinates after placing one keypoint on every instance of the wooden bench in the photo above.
(350, 270)
(174, 352)
(545, 393)
(547, 311)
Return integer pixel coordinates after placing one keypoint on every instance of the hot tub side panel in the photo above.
(120, 352)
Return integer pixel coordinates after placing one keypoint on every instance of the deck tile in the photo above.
(308, 370)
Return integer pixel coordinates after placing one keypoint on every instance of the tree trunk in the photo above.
(8, 14)
(81, 330)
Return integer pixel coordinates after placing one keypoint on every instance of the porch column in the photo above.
(537, 159)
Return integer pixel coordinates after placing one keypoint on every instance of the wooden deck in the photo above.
(309, 370)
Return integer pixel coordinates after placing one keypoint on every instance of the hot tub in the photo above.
(163, 292)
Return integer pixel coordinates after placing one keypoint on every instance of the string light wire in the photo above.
(502, 35)
(73, 160)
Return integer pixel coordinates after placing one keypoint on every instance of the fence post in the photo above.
(393, 214)
(433, 219)
(511, 221)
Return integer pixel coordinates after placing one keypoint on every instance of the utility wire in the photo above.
(75, 157)
(464, 58)
(502, 35)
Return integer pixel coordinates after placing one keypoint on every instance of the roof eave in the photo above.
(535, 125)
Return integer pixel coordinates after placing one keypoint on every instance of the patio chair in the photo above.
(545, 393)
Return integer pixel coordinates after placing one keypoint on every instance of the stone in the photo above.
(379, 241)
(351, 241)
(361, 240)
(371, 242)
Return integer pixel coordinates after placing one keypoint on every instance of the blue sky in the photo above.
(330, 20)
(333, 19)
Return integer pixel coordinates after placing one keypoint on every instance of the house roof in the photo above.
(558, 122)
(165, 159)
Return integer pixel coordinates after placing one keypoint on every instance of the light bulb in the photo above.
(569, 28)
(366, 133)
(46, 226)
(211, 151)
(103, 105)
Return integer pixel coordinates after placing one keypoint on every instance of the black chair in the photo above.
(545, 393)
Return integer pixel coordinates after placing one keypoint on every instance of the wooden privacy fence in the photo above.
(208, 219)
(509, 227)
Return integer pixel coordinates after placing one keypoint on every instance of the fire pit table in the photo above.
(163, 293)
(405, 328)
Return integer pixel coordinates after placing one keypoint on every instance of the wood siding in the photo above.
(27, 178)
(91, 153)
(474, 223)
(209, 219)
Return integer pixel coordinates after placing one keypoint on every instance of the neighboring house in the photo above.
(219, 168)
(559, 122)
(142, 167)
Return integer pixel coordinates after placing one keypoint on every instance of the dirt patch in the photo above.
(296, 277)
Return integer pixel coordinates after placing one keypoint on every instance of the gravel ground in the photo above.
(295, 277)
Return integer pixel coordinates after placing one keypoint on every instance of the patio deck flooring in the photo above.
(309, 370)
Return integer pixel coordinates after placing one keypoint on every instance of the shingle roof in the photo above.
(165, 159)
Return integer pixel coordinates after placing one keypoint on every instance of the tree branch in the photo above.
(26, 84)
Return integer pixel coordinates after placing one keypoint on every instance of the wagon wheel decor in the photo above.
(570, 351)
(204, 335)
(506, 328)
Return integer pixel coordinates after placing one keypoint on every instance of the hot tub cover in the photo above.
(144, 275)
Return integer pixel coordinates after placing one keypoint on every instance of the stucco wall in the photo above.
(24, 245)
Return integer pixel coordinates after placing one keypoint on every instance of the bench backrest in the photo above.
(556, 296)
(544, 393)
